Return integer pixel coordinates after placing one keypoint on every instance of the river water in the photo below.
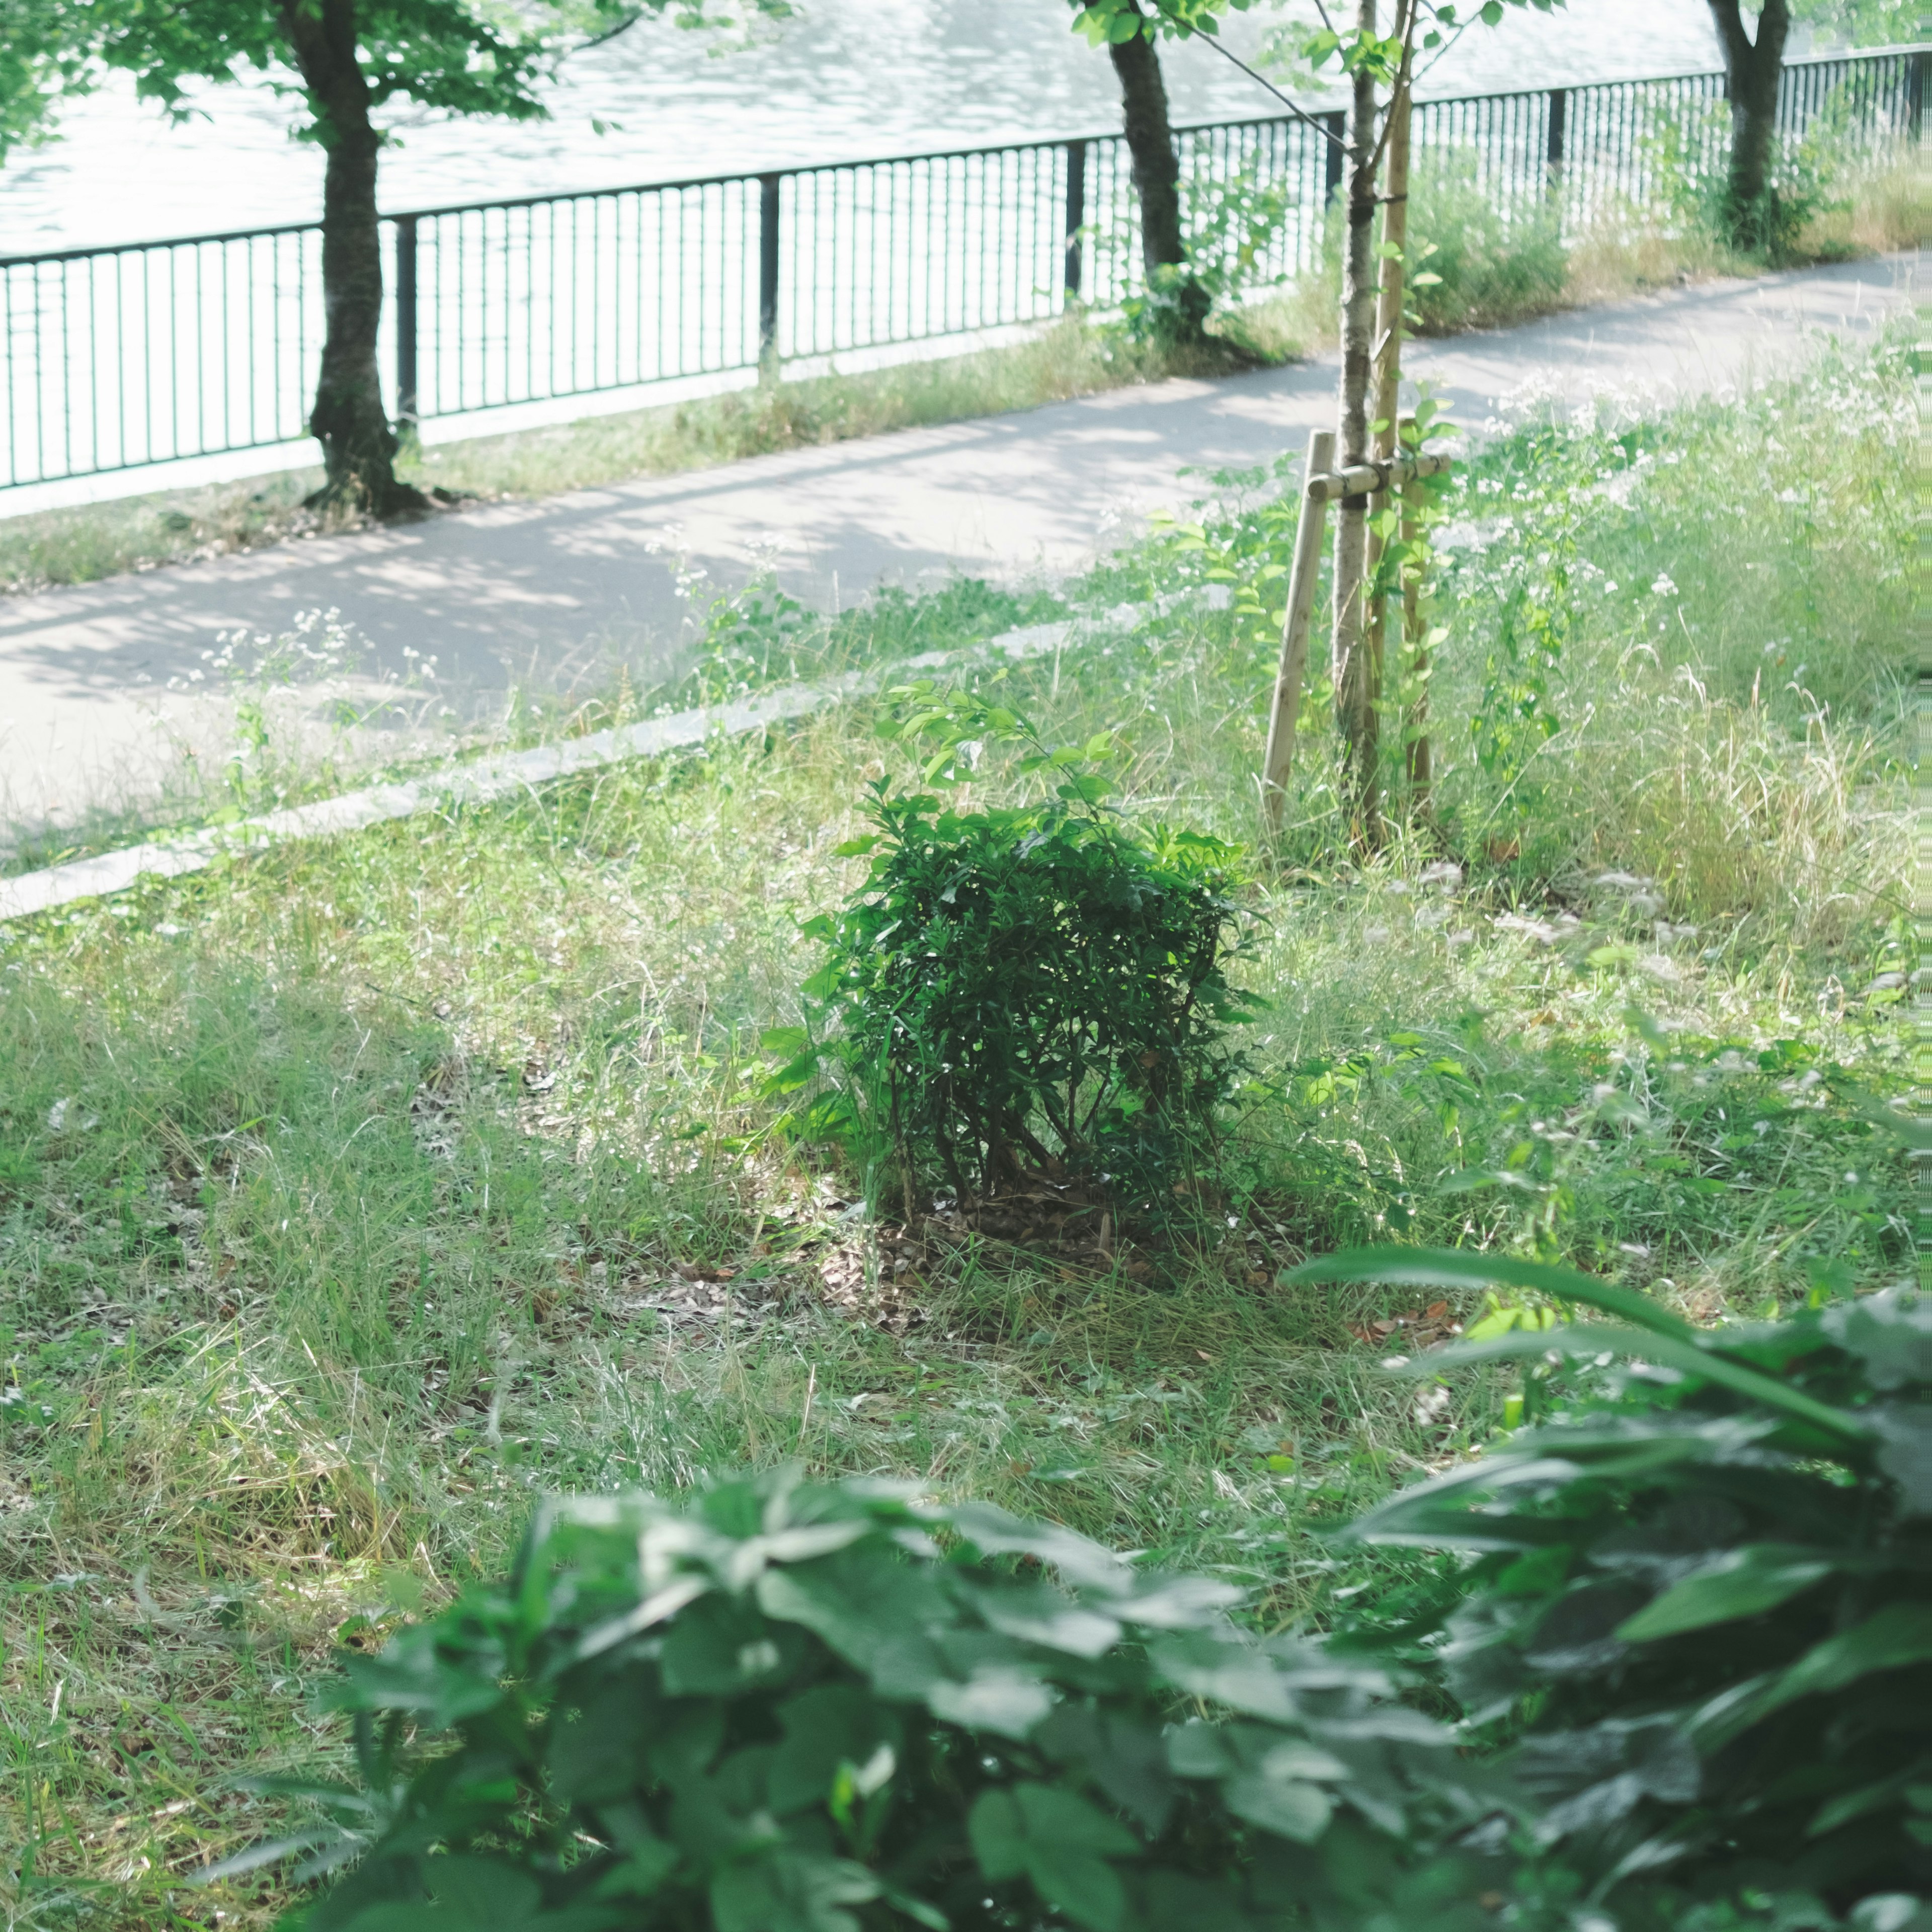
(846, 79)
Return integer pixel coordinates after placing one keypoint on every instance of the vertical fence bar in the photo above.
(768, 268)
(1337, 129)
(1559, 117)
(1915, 95)
(406, 319)
(1076, 213)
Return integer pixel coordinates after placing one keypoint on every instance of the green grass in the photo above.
(353, 1193)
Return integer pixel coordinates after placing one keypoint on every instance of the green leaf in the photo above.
(1898, 1636)
(1678, 1344)
(1086, 1888)
(1579, 1340)
(1007, 1703)
(997, 1834)
(1451, 1267)
(1891, 1333)
(1060, 1841)
(1284, 1806)
(1043, 1615)
(1745, 1582)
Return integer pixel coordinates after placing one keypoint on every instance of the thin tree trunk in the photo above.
(1388, 343)
(1752, 70)
(358, 444)
(1150, 136)
(1354, 696)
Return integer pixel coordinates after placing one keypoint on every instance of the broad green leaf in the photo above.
(1049, 1815)
(1284, 1806)
(1896, 1637)
(1043, 1616)
(1891, 1333)
(1575, 1339)
(1237, 1674)
(1746, 1583)
(1905, 1431)
(1006, 1703)
(1084, 1886)
(998, 1836)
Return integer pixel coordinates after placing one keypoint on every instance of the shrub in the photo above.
(1703, 1590)
(783, 1709)
(1042, 986)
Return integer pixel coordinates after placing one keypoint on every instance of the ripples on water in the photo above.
(848, 78)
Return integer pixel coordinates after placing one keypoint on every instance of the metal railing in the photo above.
(119, 358)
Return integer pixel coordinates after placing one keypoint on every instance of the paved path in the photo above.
(556, 595)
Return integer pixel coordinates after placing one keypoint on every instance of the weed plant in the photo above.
(357, 1192)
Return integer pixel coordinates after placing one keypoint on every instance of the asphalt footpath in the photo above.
(106, 689)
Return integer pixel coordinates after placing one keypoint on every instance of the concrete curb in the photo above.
(489, 777)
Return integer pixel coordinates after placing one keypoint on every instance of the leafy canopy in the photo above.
(459, 57)
(1431, 25)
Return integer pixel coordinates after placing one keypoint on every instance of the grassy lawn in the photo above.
(354, 1193)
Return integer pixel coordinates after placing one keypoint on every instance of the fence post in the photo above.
(405, 318)
(1559, 117)
(768, 273)
(1076, 213)
(1334, 148)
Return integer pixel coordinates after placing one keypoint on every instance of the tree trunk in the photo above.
(1752, 70)
(1387, 347)
(1157, 180)
(358, 446)
(1354, 694)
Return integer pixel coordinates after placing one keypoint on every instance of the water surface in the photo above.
(847, 78)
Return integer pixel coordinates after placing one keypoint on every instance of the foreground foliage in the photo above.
(781, 1706)
(1694, 1648)
(1703, 1589)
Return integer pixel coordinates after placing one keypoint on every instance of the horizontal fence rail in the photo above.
(118, 358)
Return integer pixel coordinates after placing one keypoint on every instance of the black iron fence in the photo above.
(116, 359)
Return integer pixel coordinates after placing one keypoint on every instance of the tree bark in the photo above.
(1354, 694)
(1150, 136)
(358, 446)
(1752, 70)
(1387, 352)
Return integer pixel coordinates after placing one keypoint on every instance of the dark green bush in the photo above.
(782, 1708)
(1702, 1592)
(1041, 988)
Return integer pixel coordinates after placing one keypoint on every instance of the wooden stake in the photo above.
(1415, 648)
(1308, 534)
